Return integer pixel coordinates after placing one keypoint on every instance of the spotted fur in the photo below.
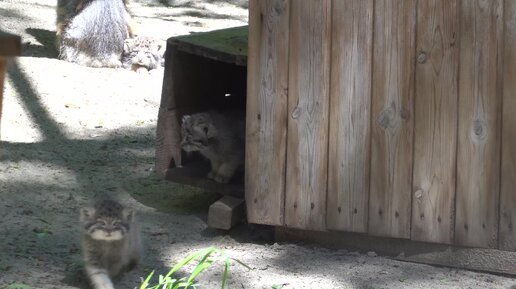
(142, 53)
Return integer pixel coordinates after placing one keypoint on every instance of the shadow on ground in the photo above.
(47, 47)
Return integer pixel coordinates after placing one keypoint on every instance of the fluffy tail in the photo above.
(95, 36)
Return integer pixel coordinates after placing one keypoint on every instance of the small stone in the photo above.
(372, 254)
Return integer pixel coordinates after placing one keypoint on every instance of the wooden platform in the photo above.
(203, 71)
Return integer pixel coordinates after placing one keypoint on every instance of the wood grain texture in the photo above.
(392, 118)
(168, 137)
(308, 101)
(478, 154)
(507, 235)
(266, 132)
(435, 127)
(350, 106)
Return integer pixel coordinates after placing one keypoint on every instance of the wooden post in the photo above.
(480, 95)
(392, 118)
(435, 141)
(508, 177)
(10, 45)
(308, 110)
(350, 115)
(266, 131)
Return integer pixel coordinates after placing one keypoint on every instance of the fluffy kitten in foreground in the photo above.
(110, 242)
(220, 138)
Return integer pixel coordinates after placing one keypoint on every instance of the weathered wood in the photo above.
(392, 118)
(225, 213)
(478, 155)
(308, 101)
(507, 233)
(266, 131)
(10, 44)
(350, 102)
(228, 45)
(168, 149)
(435, 127)
(488, 260)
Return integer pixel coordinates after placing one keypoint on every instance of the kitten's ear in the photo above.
(128, 214)
(87, 213)
(127, 44)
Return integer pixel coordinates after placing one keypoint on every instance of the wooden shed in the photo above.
(386, 118)
(368, 121)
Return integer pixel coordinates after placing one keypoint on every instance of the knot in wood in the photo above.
(386, 118)
(479, 130)
(418, 194)
(421, 57)
(279, 7)
(296, 112)
(404, 114)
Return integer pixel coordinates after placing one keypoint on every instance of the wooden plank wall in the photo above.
(348, 178)
(308, 103)
(392, 118)
(508, 190)
(435, 140)
(267, 111)
(478, 159)
(397, 118)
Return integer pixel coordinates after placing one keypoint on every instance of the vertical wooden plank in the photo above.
(392, 118)
(350, 101)
(267, 111)
(478, 154)
(508, 187)
(308, 101)
(435, 127)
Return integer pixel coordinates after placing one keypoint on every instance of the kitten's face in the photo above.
(107, 221)
(196, 131)
(142, 52)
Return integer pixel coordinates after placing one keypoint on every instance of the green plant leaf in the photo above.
(146, 281)
(188, 259)
(241, 263)
(203, 264)
(278, 286)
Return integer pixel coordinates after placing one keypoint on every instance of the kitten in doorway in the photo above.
(218, 137)
(110, 242)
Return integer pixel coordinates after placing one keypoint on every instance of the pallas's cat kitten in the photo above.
(220, 138)
(110, 242)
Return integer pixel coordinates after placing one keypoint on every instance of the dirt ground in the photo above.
(71, 133)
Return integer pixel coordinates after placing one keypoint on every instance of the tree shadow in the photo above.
(47, 48)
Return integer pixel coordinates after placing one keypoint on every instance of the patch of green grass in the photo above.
(18, 286)
(206, 258)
